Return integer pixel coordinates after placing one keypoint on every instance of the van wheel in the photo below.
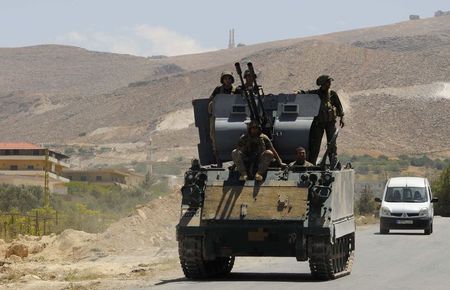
(384, 230)
(429, 229)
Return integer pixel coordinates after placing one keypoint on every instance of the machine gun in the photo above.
(257, 111)
(330, 152)
(265, 121)
(254, 114)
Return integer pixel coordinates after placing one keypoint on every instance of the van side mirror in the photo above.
(377, 199)
(434, 199)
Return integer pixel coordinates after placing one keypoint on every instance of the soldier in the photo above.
(256, 148)
(227, 80)
(301, 158)
(249, 83)
(330, 109)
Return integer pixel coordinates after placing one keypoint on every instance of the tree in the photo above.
(441, 189)
(366, 203)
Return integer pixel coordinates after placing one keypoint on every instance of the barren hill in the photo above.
(407, 62)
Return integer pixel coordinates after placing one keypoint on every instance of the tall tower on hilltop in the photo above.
(231, 43)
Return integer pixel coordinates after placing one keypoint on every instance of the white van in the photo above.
(407, 203)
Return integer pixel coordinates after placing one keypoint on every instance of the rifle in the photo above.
(254, 114)
(330, 152)
(265, 121)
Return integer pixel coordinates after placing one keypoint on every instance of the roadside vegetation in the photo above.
(90, 207)
(441, 189)
(366, 164)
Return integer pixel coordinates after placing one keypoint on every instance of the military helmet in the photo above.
(226, 73)
(248, 73)
(323, 79)
(253, 124)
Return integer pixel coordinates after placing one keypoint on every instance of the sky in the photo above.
(174, 27)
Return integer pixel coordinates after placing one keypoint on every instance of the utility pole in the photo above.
(46, 181)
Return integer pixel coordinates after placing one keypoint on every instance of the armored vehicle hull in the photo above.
(307, 215)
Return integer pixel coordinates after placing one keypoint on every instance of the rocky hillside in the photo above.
(392, 79)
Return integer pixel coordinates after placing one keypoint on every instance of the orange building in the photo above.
(25, 164)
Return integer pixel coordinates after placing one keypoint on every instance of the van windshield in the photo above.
(406, 194)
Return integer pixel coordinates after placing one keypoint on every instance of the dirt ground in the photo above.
(137, 251)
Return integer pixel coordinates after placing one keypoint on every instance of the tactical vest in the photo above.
(222, 90)
(327, 112)
(254, 147)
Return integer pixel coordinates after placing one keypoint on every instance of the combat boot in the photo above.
(258, 177)
(243, 177)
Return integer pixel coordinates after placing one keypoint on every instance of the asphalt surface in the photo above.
(400, 260)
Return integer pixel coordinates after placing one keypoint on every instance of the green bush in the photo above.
(22, 198)
(90, 207)
(69, 151)
(441, 189)
(366, 203)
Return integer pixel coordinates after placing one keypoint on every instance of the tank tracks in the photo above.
(194, 266)
(330, 261)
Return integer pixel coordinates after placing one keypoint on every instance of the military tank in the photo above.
(300, 212)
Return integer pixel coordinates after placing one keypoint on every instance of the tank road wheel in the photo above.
(191, 260)
(330, 261)
(193, 264)
(222, 265)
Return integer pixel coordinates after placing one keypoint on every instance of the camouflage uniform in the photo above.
(297, 163)
(330, 109)
(253, 150)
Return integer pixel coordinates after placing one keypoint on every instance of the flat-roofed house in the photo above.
(26, 163)
(105, 175)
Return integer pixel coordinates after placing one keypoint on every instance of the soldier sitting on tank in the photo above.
(300, 153)
(330, 109)
(254, 150)
(227, 80)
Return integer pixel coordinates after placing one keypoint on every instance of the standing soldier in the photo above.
(330, 109)
(254, 148)
(227, 80)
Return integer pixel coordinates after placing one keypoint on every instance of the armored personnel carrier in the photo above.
(300, 212)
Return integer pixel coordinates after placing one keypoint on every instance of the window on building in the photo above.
(13, 167)
(35, 152)
(83, 178)
(15, 152)
(30, 167)
(7, 152)
(98, 178)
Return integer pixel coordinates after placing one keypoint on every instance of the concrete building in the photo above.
(105, 175)
(440, 13)
(26, 163)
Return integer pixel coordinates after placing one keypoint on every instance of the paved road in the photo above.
(402, 260)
